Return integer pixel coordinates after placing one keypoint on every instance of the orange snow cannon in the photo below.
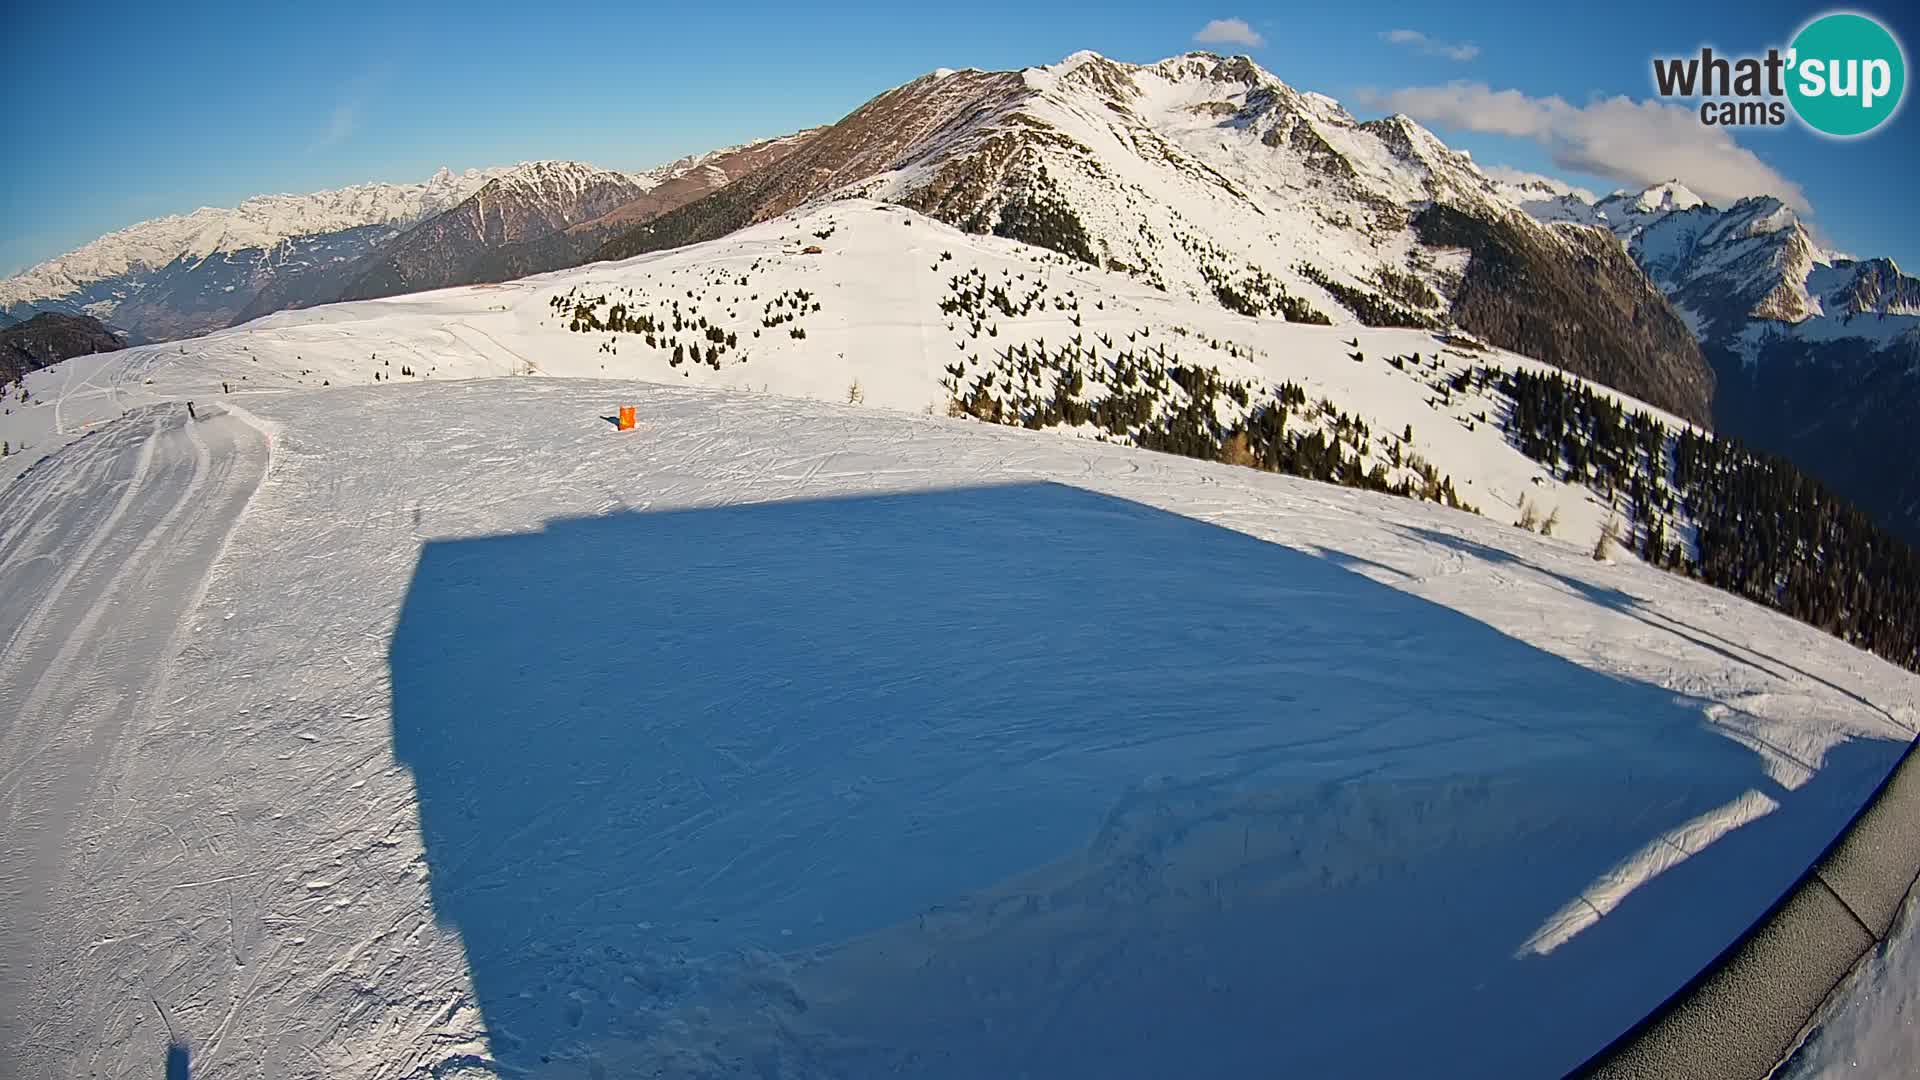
(627, 420)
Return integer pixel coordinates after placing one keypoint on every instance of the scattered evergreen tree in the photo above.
(1603, 545)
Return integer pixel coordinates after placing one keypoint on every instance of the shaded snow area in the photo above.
(786, 738)
(1870, 1027)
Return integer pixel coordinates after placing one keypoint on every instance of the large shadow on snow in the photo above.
(1026, 779)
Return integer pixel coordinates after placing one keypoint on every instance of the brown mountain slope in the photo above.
(872, 139)
(684, 182)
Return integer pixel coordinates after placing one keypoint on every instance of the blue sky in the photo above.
(121, 112)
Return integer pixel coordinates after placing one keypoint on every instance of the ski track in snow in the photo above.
(92, 591)
(849, 742)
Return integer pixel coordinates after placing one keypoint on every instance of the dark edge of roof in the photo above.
(1747, 1010)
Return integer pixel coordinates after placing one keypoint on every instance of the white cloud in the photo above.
(1634, 142)
(1427, 46)
(1230, 32)
(350, 102)
(1507, 174)
(340, 124)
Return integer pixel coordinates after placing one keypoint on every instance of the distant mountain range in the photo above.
(540, 216)
(1201, 175)
(1816, 355)
(184, 275)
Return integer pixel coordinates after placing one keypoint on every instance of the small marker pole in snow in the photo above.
(172, 1035)
(179, 1054)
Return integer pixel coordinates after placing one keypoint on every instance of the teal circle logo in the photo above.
(1848, 74)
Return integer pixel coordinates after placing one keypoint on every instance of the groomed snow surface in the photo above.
(791, 738)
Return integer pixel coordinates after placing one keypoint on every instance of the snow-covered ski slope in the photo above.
(808, 739)
(434, 728)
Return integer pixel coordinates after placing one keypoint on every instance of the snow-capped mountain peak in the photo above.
(546, 179)
(1076, 60)
(1209, 178)
(1814, 351)
(1762, 215)
(1847, 287)
(1628, 212)
(1750, 260)
(1670, 195)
